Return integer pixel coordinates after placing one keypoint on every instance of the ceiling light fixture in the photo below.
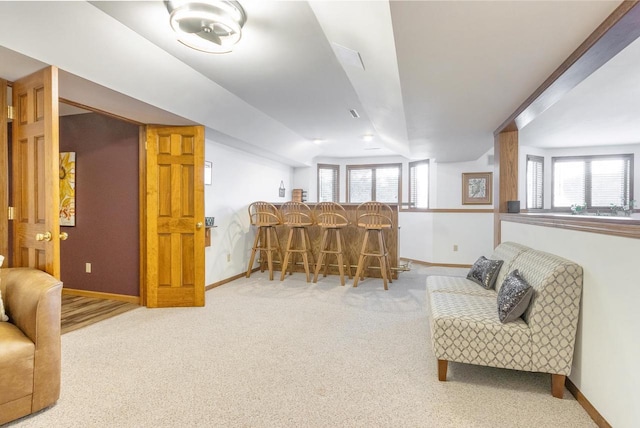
(207, 26)
(367, 137)
(319, 141)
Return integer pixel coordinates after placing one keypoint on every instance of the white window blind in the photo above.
(535, 182)
(374, 183)
(360, 185)
(328, 183)
(419, 184)
(597, 181)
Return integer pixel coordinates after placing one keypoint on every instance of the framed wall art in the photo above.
(476, 188)
(68, 189)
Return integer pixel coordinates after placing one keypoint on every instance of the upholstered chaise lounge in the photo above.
(29, 342)
(465, 326)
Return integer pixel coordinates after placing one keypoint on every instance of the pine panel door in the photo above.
(174, 209)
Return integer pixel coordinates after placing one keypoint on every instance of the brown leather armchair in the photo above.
(29, 342)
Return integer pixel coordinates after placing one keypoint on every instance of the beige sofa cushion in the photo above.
(16, 363)
(456, 284)
(465, 328)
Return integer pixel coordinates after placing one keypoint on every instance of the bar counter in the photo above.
(353, 236)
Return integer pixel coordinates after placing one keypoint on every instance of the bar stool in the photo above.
(298, 217)
(374, 218)
(332, 218)
(266, 217)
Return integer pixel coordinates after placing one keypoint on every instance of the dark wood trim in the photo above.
(142, 211)
(622, 226)
(101, 295)
(613, 35)
(429, 264)
(557, 385)
(442, 370)
(96, 110)
(4, 167)
(505, 176)
(227, 280)
(586, 405)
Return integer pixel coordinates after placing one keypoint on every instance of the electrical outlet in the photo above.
(228, 258)
(455, 247)
(87, 267)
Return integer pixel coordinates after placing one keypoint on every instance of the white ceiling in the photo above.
(439, 76)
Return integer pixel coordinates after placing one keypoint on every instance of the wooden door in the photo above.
(35, 181)
(4, 172)
(174, 227)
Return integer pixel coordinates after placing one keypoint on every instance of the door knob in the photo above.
(64, 236)
(199, 225)
(43, 236)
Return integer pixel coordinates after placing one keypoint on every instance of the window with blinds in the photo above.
(373, 183)
(328, 183)
(598, 181)
(419, 184)
(535, 182)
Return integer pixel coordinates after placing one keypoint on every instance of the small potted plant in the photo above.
(577, 209)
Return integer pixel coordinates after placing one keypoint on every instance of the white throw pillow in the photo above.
(3, 316)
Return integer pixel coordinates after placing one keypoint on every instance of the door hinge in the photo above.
(10, 112)
(10, 213)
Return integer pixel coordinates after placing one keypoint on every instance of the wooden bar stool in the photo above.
(332, 218)
(374, 218)
(298, 217)
(266, 217)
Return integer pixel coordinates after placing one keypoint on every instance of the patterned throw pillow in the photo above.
(514, 297)
(3, 316)
(485, 272)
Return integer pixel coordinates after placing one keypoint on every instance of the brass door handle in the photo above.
(43, 236)
(199, 225)
(64, 236)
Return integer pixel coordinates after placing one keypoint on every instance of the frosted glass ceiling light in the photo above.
(208, 26)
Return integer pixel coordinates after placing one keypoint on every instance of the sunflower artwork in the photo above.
(68, 189)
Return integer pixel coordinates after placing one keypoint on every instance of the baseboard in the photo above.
(224, 281)
(423, 263)
(586, 405)
(101, 295)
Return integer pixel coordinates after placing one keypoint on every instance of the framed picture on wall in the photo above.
(476, 188)
(67, 188)
(208, 172)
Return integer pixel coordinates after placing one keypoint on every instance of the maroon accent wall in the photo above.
(106, 231)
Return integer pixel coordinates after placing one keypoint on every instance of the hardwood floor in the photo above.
(78, 312)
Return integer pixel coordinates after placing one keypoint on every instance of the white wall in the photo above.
(239, 178)
(448, 181)
(430, 236)
(582, 151)
(605, 366)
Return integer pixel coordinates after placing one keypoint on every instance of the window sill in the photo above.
(627, 227)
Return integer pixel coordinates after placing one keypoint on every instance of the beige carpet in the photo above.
(289, 354)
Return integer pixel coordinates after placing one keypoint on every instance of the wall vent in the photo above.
(354, 113)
